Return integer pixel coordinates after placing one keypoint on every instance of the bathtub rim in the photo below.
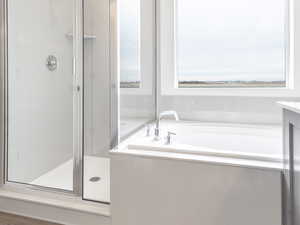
(192, 158)
(204, 151)
(213, 153)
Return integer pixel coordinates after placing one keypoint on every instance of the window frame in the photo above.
(166, 29)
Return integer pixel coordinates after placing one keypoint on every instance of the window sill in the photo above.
(135, 91)
(238, 92)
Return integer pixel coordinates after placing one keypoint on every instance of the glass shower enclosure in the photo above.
(44, 94)
(77, 78)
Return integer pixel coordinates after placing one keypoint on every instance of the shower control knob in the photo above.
(51, 63)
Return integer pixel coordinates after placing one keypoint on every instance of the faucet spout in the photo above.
(169, 113)
(163, 114)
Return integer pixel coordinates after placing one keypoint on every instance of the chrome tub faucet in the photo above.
(161, 116)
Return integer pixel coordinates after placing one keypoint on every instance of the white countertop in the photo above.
(292, 106)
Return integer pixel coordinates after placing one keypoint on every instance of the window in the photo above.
(129, 12)
(229, 47)
(231, 43)
(137, 39)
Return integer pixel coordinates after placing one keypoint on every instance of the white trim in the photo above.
(53, 207)
(167, 61)
(291, 106)
(243, 92)
(135, 91)
(56, 199)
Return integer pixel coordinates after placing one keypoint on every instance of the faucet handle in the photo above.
(168, 141)
(148, 129)
(171, 133)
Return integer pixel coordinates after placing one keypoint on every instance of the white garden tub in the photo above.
(212, 174)
(257, 142)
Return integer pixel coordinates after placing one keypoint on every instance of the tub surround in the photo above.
(185, 185)
(184, 189)
(292, 106)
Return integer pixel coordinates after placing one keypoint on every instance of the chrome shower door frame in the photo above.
(78, 138)
(77, 104)
(114, 74)
(2, 90)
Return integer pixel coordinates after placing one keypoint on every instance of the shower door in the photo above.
(43, 97)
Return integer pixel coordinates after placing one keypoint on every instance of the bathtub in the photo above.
(212, 174)
(251, 142)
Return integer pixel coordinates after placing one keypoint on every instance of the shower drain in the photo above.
(95, 179)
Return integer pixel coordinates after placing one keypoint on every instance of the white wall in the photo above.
(224, 109)
(40, 102)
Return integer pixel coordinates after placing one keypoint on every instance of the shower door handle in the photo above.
(77, 87)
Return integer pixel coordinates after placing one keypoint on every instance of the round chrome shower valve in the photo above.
(51, 63)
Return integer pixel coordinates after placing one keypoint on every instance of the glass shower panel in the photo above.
(96, 176)
(40, 93)
(137, 64)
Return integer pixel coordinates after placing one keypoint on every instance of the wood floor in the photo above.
(9, 219)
